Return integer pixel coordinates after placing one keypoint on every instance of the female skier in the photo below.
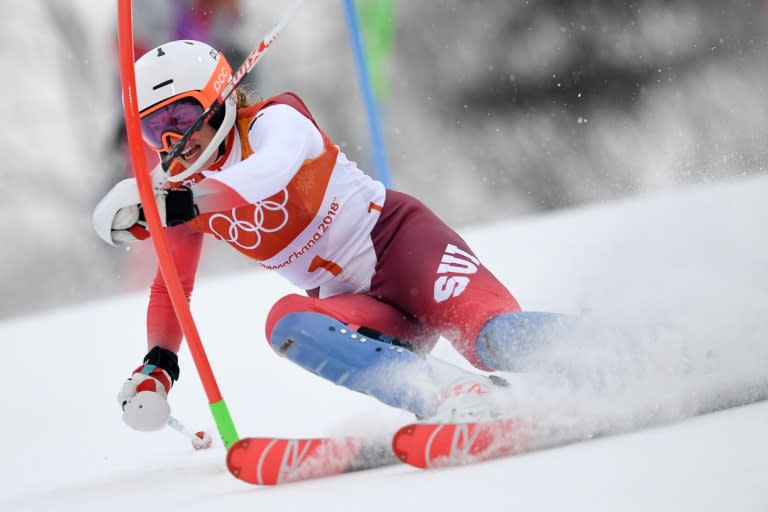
(384, 277)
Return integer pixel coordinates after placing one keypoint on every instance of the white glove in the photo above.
(144, 395)
(118, 218)
(175, 206)
(129, 225)
(147, 412)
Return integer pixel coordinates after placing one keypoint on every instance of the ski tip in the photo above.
(272, 461)
(404, 445)
(433, 445)
(243, 461)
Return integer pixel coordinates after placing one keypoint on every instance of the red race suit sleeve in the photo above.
(163, 328)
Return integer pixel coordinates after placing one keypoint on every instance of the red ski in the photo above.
(429, 445)
(272, 461)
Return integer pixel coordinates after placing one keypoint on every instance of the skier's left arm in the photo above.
(143, 396)
(119, 217)
(281, 139)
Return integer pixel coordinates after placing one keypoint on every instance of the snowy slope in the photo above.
(685, 273)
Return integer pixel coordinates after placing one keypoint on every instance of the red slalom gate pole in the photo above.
(164, 256)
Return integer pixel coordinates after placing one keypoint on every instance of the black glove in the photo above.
(178, 208)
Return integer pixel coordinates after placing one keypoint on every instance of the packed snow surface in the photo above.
(677, 284)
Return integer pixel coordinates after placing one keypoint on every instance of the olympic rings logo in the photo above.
(264, 213)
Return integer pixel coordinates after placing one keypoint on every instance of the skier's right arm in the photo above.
(155, 377)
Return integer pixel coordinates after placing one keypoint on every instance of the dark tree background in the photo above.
(497, 109)
(556, 103)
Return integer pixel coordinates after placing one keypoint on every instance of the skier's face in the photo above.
(195, 147)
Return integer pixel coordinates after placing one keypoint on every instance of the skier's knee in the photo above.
(505, 340)
(288, 304)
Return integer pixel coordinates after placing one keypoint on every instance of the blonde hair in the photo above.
(245, 98)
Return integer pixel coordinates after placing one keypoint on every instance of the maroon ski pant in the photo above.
(427, 283)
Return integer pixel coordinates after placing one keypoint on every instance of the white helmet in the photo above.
(185, 69)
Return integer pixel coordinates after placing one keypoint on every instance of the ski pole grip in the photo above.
(224, 423)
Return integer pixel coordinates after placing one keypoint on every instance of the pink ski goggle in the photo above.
(161, 127)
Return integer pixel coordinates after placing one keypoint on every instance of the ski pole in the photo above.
(374, 126)
(200, 440)
(237, 78)
(160, 173)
